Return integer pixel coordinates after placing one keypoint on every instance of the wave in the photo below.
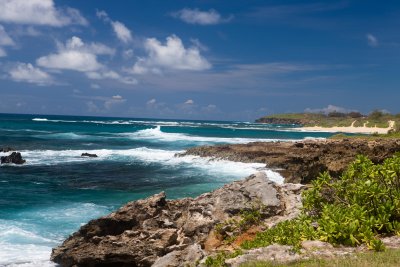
(144, 155)
(29, 242)
(156, 135)
(227, 125)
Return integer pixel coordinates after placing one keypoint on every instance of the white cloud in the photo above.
(5, 39)
(127, 54)
(23, 72)
(372, 40)
(94, 86)
(120, 30)
(196, 16)
(170, 56)
(109, 74)
(114, 100)
(39, 12)
(92, 107)
(151, 101)
(76, 55)
(189, 102)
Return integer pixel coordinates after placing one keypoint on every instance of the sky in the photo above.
(200, 59)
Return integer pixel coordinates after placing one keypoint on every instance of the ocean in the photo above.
(57, 190)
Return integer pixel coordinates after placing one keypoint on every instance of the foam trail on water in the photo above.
(156, 135)
(144, 155)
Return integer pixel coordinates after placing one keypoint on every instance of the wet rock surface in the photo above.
(14, 157)
(300, 162)
(168, 232)
(88, 155)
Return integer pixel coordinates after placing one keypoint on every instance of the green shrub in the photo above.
(353, 210)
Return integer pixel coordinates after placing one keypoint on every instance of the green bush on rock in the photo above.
(356, 209)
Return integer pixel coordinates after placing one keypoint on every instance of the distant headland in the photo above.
(351, 122)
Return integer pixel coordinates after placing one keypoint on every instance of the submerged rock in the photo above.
(89, 155)
(168, 232)
(14, 157)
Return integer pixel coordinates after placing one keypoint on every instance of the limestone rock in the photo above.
(166, 232)
(276, 253)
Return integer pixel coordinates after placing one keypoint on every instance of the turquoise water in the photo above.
(57, 191)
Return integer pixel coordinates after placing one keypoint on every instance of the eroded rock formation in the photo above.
(170, 232)
(302, 161)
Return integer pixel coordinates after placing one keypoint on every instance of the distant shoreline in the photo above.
(350, 129)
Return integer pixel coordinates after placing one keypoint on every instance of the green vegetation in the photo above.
(388, 258)
(339, 119)
(357, 209)
(231, 228)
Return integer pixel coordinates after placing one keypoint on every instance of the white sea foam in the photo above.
(39, 119)
(145, 155)
(156, 135)
(29, 242)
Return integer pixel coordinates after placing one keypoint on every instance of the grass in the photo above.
(388, 258)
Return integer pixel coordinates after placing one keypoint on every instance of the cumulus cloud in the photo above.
(39, 12)
(114, 100)
(372, 40)
(109, 74)
(3, 53)
(5, 40)
(151, 101)
(170, 56)
(120, 30)
(329, 109)
(75, 55)
(26, 72)
(189, 102)
(78, 56)
(196, 16)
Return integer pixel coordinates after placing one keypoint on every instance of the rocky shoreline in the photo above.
(160, 232)
(300, 162)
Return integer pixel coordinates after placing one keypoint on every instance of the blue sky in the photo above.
(229, 60)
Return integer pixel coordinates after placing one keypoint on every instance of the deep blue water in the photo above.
(56, 191)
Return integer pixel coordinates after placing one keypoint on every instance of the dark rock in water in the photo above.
(89, 155)
(14, 157)
(160, 232)
(6, 149)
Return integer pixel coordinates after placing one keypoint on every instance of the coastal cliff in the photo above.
(300, 162)
(160, 232)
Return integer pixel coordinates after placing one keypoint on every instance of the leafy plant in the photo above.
(353, 210)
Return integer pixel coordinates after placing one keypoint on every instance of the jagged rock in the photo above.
(14, 157)
(89, 155)
(182, 258)
(6, 149)
(167, 232)
(302, 162)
